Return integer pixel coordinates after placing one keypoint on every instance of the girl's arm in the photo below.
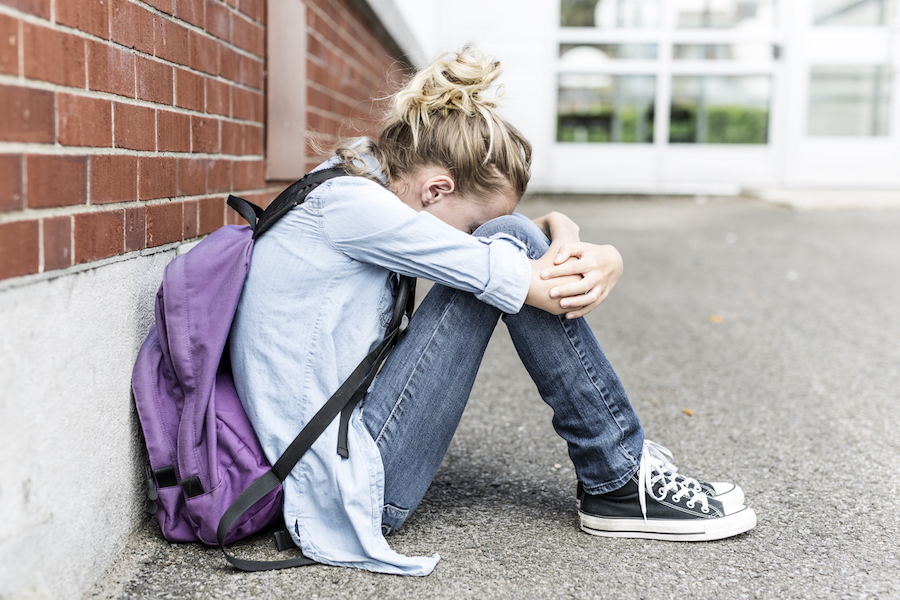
(572, 277)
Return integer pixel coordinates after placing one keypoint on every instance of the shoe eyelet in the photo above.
(691, 504)
(705, 510)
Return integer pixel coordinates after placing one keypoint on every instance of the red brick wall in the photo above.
(348, 64)
(125, 124)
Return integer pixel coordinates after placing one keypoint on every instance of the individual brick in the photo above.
(110, 69)
(191, 176)
(252, 8)
(204, 135)
(191, 11)
(212, 214)
(252, 72)
(170, 41)
(218, 97)
(157, 176)
(220, 176)
(54, 180)
(53, 56)
(19, 250)
(11, 182)
(218, 20)
(229, 64)
(253, 140)
(113, 178)
(154, 81)
(135, 228)
(91, 16)
(248, 36)
(98, 235)
(191, 220)
(132, 26)
(9, 45)
(173, 131)
(40, 8)
(135, 126)
(166, 6)
(83, 121)
(204, 53)
(189, 90)
(247, 104)
(27, 115)
(232, 138)
(249, 174)
(164, 223)
(57, 243)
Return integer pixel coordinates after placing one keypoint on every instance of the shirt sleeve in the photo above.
(370, 224)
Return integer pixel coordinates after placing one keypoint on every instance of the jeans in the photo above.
(414, 406)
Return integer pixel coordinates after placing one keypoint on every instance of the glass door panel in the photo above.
(725, 14)
(844, 103)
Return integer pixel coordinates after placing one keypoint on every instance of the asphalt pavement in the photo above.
(760, 344)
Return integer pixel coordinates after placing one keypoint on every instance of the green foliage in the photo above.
(600, 126)
(577, 13)
(724, 125)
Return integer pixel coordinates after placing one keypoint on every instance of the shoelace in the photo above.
(667, 467)
(657, 467)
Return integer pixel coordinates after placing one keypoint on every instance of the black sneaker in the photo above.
(723, 491)
(655, 504)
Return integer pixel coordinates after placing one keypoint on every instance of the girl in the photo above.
(434, 197)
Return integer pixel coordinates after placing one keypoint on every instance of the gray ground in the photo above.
(779, 330)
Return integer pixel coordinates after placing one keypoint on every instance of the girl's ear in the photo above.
(437, 188)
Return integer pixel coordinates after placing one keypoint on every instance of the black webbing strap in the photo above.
(293, 195)
(406, 297)
(248, 210)
(343, 401)
(351, 391)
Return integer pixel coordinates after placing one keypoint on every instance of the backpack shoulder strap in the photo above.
(342, 402)
(294, 195)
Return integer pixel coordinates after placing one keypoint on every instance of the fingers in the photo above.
(585, 309)
(575, 289)
(564, 254)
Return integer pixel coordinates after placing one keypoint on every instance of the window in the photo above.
(748, 52)
(609, 14)
(606, 108)
(851, 101)
(597, 54)
(725, 14)
(849, 13)
(716, 109)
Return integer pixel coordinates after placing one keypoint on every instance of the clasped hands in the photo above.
(579, 275)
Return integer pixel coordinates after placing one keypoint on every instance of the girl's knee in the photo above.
(520, 227)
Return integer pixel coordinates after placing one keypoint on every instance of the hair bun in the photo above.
(455, 81)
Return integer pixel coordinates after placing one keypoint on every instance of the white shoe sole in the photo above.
(673, 530)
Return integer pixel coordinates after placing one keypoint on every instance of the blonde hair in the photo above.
(444, 117)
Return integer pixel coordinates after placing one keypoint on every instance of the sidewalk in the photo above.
(759, 344)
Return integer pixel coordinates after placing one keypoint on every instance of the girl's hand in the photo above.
(599, 267)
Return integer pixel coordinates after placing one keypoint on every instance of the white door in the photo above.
(844, 94)
(668, 95)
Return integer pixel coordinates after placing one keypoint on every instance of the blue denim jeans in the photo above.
(414, 407)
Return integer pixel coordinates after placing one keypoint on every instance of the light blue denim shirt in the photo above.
(317, 299)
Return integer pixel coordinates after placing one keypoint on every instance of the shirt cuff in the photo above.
(510, 273)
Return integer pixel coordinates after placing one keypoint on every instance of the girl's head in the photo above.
(445, 136)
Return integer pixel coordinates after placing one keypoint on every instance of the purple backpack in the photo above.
(208, 479)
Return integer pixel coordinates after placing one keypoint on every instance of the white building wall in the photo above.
(525, 36)
(70, 494)
(522, 36)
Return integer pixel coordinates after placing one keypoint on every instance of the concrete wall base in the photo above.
(70, 490)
